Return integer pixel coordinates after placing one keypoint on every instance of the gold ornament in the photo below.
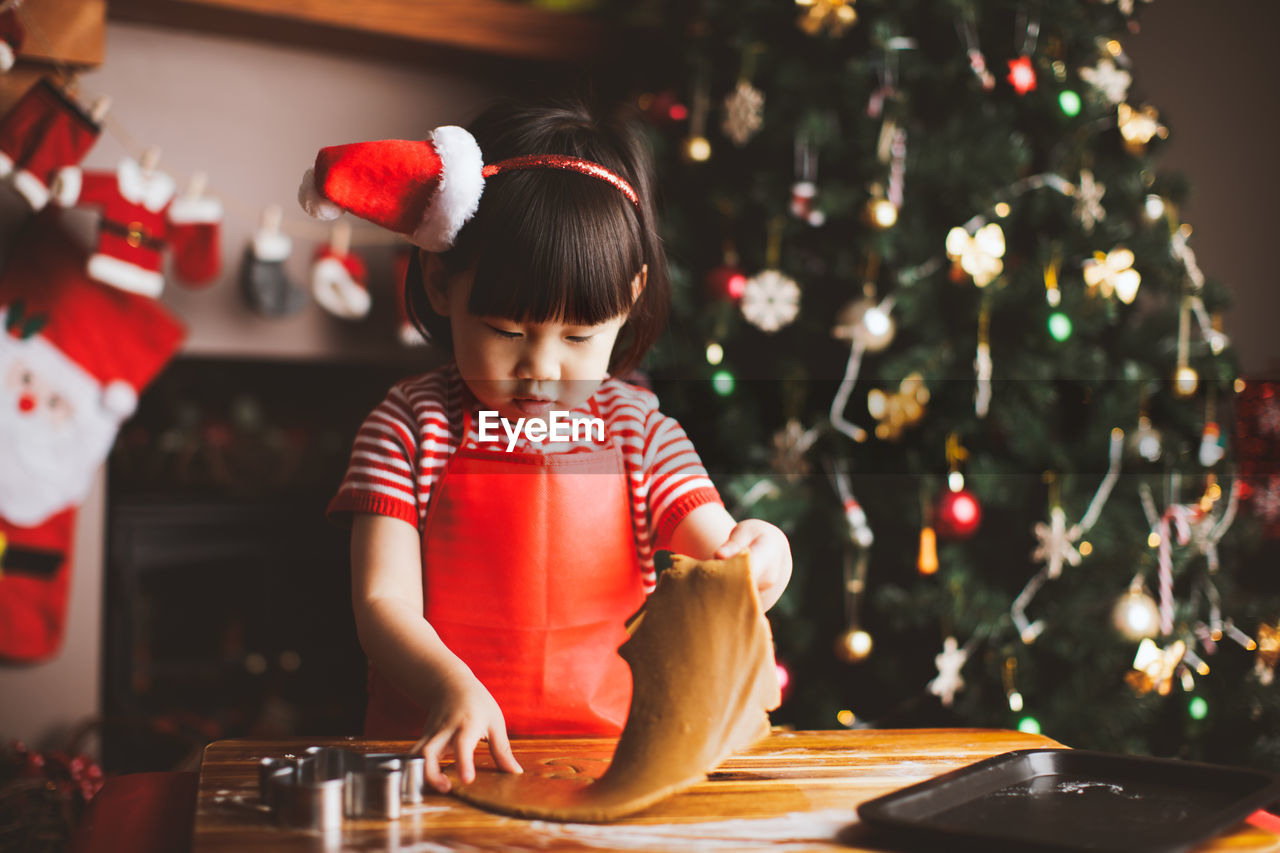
(927, 559)
(1135, 614)
(1139, 126)
(1185, 381)
(697, 149)
(834, 16)
(1153, 667)
(898, 410)
(1113, 272)
(864, 320)
(1268, 652)
(881, 213)
(853, 645)
(978, 254)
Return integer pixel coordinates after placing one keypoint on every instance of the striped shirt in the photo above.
(401, 449)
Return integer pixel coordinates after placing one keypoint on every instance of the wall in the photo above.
(1210, 69)
(252, 116)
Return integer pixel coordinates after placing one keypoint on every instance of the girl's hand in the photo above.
(770, 556)
(463, 715)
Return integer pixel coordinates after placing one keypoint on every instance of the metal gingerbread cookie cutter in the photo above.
(316, 789)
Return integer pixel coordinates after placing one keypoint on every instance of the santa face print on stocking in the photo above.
(49, 446)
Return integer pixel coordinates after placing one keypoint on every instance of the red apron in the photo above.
(529, 570)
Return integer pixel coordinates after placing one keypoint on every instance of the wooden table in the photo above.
(795, 791)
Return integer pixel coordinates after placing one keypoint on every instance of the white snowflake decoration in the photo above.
(770, 300)
(1089, 195)
(948, 681)
(1269, 417)
(1055, 543)
(1109, 79)
(743, 113)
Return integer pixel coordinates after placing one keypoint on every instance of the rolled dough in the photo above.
(703, 682)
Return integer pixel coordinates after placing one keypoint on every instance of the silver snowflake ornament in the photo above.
(1109, 79)
(1088, 196)
(1055, 543)
(743, 113)
(770, 300)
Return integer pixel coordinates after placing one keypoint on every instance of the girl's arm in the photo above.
(386, 595)
(709, 532)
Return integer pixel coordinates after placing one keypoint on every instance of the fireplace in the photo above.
(227, 602)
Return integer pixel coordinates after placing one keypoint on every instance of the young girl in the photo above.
(494, 561)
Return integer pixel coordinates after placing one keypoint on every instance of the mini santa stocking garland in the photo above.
(263, 282)
(44, 132)
(338, 277)
(142, 220)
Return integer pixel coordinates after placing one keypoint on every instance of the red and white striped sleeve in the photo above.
(397, 454)
(678, 481)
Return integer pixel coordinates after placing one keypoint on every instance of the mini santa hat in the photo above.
(99, 346)
(427, 189)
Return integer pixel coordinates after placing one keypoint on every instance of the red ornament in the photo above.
(663, 108)
(957, 514)
(726, 282)
(1022, 75)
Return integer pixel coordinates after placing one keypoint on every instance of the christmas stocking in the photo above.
(73, 357)
(263, 282)
(11, 35)
(140, 221)
(338, 284)
(401, 269)
(45, 131)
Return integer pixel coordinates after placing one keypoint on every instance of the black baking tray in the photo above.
(1067, 799)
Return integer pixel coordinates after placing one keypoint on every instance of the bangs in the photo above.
(551, 245)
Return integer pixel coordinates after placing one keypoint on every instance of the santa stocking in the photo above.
(263, 282)
(338, 284)
(45, 131)
(73, 357)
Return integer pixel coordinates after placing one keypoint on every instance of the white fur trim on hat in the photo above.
(31, 188)
(271, 245)
(125, 275)
(313, 201)
(337, 292)
(119, 398)
(67, 184)
(187, 210)
(153, 191)
(458, 195)
(6, 164)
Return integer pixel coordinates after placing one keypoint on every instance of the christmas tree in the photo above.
(938, 317)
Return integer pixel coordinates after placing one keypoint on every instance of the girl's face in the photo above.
(524, 370)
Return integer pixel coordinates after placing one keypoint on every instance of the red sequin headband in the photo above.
(570, 164)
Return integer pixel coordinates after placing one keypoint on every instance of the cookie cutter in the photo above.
(317, 789)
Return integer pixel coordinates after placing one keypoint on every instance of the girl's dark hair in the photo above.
(550, 244)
